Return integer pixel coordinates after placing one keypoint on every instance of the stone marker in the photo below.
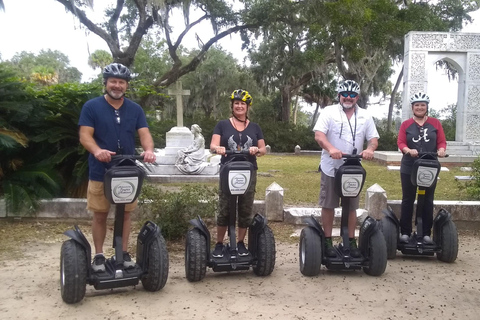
(274, 202)
(297, 149)
(376, 201)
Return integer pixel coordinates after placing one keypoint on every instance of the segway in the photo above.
(349, 180)
(445, 237)
(234, 181)
(122, 185)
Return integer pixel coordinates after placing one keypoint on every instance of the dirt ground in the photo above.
(411, 287)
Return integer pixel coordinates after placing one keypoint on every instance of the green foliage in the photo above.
(25, 175)
(172, 210)
(283, 137)
(388, 139)
(27, 64)
(59, 131)
(473, 187)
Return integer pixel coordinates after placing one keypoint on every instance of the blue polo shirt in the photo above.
(108, 133)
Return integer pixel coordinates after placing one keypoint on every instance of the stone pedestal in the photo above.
(274, 202)
(376, 201)
(177, 138)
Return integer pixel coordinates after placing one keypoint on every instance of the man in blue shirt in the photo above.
(107, 127)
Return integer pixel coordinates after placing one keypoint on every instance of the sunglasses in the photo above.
(351, 94)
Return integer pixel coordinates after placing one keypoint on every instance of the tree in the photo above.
(213, 82)
(25, 176)
(48, 67)
(99, 59)
(128, 21)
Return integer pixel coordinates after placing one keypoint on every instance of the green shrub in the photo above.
(473, 187)
(172, 210)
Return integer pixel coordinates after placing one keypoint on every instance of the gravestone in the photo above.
(178, 137)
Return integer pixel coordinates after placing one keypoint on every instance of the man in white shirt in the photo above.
(340, 129)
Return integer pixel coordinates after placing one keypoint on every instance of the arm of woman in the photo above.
(215, 145)
(262, 149)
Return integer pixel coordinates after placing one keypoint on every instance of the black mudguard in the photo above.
(367, 229)
(149, 232)
(78, 237)
(389, 214)
(200, 225)
(258, 224)
(441, 218)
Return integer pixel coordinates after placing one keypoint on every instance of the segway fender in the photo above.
(389, 214)
(312, 222)
(78, 237)
(200, 225)
(367, 229)
(147, 234)
(258, 224)
(442, 217)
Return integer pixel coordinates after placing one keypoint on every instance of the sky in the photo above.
(33, 25)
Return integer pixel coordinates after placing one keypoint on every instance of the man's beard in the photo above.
(347, 106)
(115, 96)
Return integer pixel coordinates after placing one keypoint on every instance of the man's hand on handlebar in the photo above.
(104, 155)
(367, 154)
(335, 153)
(148, 156)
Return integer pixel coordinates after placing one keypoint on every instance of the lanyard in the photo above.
(353, 131)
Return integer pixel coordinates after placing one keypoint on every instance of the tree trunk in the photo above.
(392, 101)
(285, 112)
(295, 110)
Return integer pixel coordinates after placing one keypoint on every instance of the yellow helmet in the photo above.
(241, 95)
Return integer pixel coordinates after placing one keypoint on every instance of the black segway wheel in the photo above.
(377, 255)
(73, 271)
(265, 253)
(195, 255)
(156, 266)
(389, 230)
(448, 242)
(310, 252)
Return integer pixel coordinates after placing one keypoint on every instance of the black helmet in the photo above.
(116, 70)
(241, 95)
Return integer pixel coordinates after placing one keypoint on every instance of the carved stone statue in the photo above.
(191, 160)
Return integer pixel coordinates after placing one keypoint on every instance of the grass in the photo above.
(299, 177)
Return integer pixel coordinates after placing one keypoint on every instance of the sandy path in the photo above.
(410, 288)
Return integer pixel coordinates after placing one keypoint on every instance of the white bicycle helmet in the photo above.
(419, 97)
(349, 86)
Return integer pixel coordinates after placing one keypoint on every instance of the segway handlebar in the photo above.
(237, 152)
(118, 157)
(435, 154)
(351, 156)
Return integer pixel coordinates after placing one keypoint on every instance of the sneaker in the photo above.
(329, 249)
(427, 240)
(404, 238)
(241, 250)
(218, 252)
(98, 264)
(127, 260)
(354, 251)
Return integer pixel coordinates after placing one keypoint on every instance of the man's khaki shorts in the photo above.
(96, 200)
(328, 199)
